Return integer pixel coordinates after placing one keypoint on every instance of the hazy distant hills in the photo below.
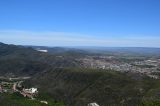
(67, 51)
(102, 50)
(123, 50)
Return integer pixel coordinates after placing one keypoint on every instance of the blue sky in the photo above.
(116, 23)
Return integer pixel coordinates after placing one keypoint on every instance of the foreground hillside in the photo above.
(78, 87)
(18, 100)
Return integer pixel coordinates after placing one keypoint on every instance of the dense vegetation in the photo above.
(18, 100)
(78, 87)
(19, 60)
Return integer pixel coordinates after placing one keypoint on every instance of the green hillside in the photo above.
(20, 60)
(78, 87)
(18, 100)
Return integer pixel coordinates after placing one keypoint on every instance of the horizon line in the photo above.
(79, 46)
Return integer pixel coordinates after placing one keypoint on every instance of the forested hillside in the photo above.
(19, 60)
(78, 87)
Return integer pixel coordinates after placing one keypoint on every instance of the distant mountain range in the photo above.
(102, 50)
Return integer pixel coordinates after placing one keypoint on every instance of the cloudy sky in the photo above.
(113, 23)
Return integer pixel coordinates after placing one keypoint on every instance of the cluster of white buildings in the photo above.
(31, 90)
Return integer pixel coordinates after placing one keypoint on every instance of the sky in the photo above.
(107, 23)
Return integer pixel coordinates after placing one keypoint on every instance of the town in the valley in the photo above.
(14, 85)
(149, 66)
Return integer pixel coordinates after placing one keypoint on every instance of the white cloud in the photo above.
(74, 39)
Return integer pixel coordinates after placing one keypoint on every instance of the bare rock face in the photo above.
(92, 104)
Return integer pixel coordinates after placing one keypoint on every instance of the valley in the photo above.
(78, 77)
(143, 65)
